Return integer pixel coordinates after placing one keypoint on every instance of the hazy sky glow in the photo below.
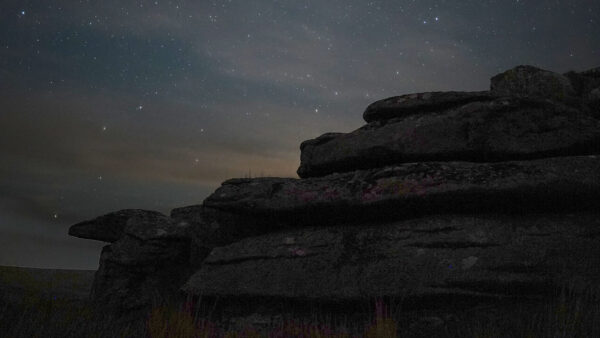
(107, 105)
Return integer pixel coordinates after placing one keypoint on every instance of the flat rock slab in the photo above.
(419, 103)
(109, 227)
(558, 183)
(486, 256)
(149, 260)
(501, 129)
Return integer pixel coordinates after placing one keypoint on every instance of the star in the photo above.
(140, 107)
(103, 128)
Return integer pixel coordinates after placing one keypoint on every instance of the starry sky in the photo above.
(108, 105)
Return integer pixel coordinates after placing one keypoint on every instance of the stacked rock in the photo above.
(441, 198)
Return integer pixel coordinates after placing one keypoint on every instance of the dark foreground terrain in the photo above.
(52, 303)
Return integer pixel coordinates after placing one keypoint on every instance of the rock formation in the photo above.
(441, 198)
(147, 260)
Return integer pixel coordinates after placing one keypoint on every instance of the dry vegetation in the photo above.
(29, 310)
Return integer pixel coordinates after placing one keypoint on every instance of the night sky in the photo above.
(108, 105)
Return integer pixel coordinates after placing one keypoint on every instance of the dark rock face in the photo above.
(108, 228)
(443, 199)
(426, 187)
(148, 262)
(212, 227)
(152, 255)
(496, 130)
(421, 103)
(532, 81)
(473, 255)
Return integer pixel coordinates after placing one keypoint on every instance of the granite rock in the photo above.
(483, 257)
(109, 227)
(146, 264)
(421, 103)
(532, 81)
(500, 129)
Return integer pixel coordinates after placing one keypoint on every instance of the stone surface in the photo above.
(483, 256)
(210, 227)
(149, 262)
(556, 183)
(532, 81)
(421, 103)
(445, 200)
(109, 227)
(501, 129)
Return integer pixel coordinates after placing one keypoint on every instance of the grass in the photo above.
(37, 315)
(249, 174)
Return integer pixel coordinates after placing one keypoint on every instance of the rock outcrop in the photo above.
(482, 131)
(532, 82)
(557, 183)
(420, 103)
(147, 261)
(480, 256)
(442, 198)
(514, 120)
(110, 227)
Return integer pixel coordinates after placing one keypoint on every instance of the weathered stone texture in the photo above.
(497, 130)
(442, 199)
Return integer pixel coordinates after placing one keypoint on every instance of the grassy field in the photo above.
(52, 303)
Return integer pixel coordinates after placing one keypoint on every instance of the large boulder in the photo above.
(532, 81)
(152, 255)
(501, 129)
(109, 227)
(421, 103)
(146, 264)
(428, 260)
(410, 189)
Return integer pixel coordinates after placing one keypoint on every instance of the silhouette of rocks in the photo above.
(109, 227)
(532, 81)
(446, 200)
(500, 129)
(211, 227)
(481, 256)
(421, 187)
(421, 103)
(150, 260)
